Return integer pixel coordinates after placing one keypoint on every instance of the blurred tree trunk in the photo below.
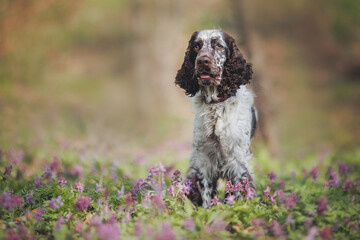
(252, 43)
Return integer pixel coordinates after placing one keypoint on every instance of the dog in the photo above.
(214, 73)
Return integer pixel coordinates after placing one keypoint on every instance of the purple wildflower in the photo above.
(281, 195)
(176, 178)
(229, 187)
(79, 187)
(267, 192)
(312, 233)
(291, 201)
(82, 203)
(276, 229)
(214, 201)
(78, 226)
(348, 186)
(15, 156)
(229, 199)
(77, 170)
(62, 181)
(38, 182)
(326, 233)
(29, 198)
(171, 190)
(289, 220)
(47, 173)
(334, 181)
(121, 192)
(166, 232)
(322, 206)
(184, 190)
(107, 231)
(10, 202)
(55, 165)
(342, 168)
(218, 225)
(23, 231)
(272, 176)
(55, 203)
(257, 222)
(190, 225)
(281, 184)
(160, 167)
(315, 173)
(138, 228)
(129, 201)
(140, 186)
(158, 202)
(8, 169)
(98, 187)
(59, 223)
(38, 214)
(11, 235)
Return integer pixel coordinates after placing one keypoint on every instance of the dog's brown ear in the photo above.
(236, 72)
(185, 77)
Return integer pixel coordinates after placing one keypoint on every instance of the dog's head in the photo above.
(213, 59)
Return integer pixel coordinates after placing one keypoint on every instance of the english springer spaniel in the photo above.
(214, 73)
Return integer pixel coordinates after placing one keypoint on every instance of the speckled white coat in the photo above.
(221, 142)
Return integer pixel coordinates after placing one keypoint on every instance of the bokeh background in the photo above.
(97, 77)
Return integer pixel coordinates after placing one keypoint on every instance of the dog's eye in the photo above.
(196, 48)
(219, 46)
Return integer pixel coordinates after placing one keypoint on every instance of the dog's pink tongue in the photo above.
(204, 76)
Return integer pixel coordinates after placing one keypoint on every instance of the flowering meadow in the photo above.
(69, 197)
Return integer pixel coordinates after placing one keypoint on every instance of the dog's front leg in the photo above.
(206, 178)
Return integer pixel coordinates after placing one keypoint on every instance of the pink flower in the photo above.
(312, 233)
(229, 188)
(276, 229)
(190, 225)
(29, 198)
(326, 233)
(348, 186)
(62, 181)
(8, 169)
(77, 170)
(38, 214)
(59, 223)
(272, 176)
(38, 182)
(160, 167)
(55, 165)
(79, 187)
(267, 192)
(82, 203)
(230, 199)
(322, 206)
(315, 173)
(291, 201)
(171, 190)
(55, 203)
(166, 232)
(11, 235)
(15, 156)
(342, 168)
(78, 226)
(158, 202)
(334, 181)
(218, 225)
(10, 202)
(121, 192)
(108, 231)
(214, 201)
(257, 222)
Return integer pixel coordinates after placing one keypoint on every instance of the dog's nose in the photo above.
(203, 61)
